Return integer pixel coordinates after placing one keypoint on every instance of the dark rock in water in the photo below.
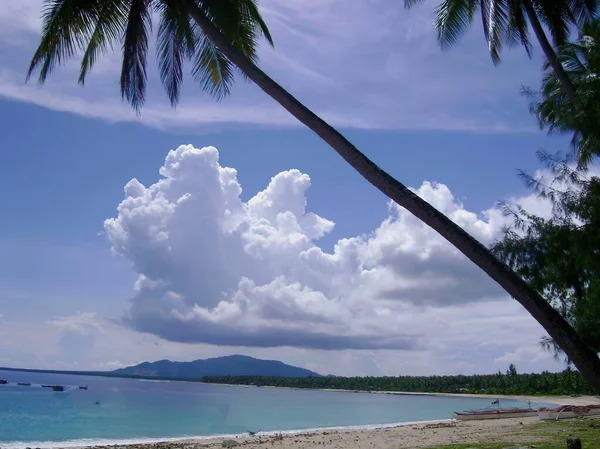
(58, 388)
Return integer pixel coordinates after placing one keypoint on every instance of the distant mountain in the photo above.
(233, 365)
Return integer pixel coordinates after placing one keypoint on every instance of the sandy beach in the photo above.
(512, 430)
(412, 435)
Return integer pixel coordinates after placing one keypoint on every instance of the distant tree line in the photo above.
(567, 382)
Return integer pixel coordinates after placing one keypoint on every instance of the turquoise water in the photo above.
(119, 410)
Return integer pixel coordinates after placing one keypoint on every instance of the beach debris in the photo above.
(251, 433)
(229, 443)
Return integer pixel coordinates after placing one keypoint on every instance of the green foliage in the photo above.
(580, 116)
(505, 21)
(93, 27)
(546, 383)
(560, 256)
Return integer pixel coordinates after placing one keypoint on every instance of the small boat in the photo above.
(3, 382)
(569, 412)
(58, 388)
(83, 387)
(495, 413)
(24, 384)
(47, 386)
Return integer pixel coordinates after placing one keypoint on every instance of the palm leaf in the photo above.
(557, 16)
(495, 25)
(110, 26)
(452, 18)
(135, 51)
(517, 29)
(584, 11)
(241, 23)
(67, 26)
(175, 42)
(212, 69)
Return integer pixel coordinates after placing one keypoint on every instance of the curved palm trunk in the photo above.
(584, 358)
(548, 50)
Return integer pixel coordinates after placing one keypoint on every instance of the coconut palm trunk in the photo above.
(583, 357)
(559, 70)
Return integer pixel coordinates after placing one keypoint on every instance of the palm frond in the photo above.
(67, 26)
(212, 69)
(240, 22)
(452, 18)
(252, 14)
(557, 16)
(135, 51)
(111, 19)
(494, 17)
(584, 11)
(410, 3)
(176, 42)
(517, 29)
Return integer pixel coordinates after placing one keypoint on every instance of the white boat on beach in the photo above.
(495, 413)
(569, 412)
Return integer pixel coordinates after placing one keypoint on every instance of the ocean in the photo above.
(114, 411)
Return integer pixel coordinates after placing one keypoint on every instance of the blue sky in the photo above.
(290, 284)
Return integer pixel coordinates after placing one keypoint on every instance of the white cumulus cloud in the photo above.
(215, 269)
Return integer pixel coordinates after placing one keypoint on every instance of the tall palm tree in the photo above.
(505, 21)
(217, 33)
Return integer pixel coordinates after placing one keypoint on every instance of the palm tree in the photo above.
(217, 33)
(557, 112)
(505, 21)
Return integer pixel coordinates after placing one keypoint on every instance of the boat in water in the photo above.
(496, 413)
(3, 382)
(24, 384)
(569, 412)
(54, 387)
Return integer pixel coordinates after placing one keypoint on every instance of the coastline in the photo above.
(208, 440)
(556, 400)
(413, 435)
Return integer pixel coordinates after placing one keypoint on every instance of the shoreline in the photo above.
(410, 435)
(207, 440)
(555, 400)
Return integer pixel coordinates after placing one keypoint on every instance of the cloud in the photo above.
(369, 65)
(217, 270)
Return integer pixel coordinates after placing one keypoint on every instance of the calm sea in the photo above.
(127, 410)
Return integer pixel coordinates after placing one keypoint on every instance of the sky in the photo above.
(227, 228)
